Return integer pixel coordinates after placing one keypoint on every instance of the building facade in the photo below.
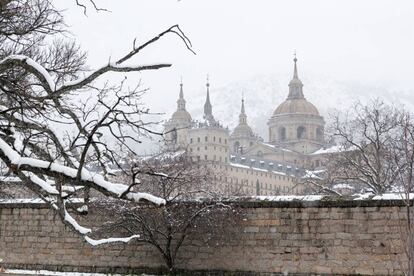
(242, 160)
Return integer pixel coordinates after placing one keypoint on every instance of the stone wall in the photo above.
(327, 237)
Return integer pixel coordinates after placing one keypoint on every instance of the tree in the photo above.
(366, 138)
(403, 158)
(376, 151)
(60, 127)
(191, 203)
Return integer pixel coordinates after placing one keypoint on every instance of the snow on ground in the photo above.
(343, 186)
(386, 196)
(58, 273)
(10, 179)
(290, 198)
(33, 200)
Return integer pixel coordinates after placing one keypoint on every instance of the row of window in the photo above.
(252, 172)
(206, 148)
(268, 175)
(198, 158)
(206, 140)
(253, 184)
(301, 133)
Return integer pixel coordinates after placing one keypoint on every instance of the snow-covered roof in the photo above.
(312, 174)
(332, 149)
(275, 147)
(236, 165)
(343, 186)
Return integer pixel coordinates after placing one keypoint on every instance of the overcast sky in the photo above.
(364, 41)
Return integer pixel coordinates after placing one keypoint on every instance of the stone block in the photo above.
(364, 271)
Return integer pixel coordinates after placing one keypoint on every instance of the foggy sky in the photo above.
(368, 41)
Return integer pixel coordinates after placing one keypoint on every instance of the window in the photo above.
(214, 138)
(219, 139)
(198, 139)
(319, 134)
(205, 157)
(236, 147)
(191, 140)
(205, 147)
(206, 139)
(282, 133)
(301, 132)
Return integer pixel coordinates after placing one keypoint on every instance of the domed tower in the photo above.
(242, 137)
(296, 123)
(176, 129)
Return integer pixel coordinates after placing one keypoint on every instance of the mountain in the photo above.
(265, 92)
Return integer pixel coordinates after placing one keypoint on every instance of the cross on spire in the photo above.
(181, 101)
(295, 85)
(242, 116)
(208, 109)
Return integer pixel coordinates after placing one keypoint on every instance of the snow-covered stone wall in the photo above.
(325, 237)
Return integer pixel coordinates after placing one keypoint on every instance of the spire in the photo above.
(181, 101)
(242, 116)
(295, 85)
(295, 70)
(208, 109)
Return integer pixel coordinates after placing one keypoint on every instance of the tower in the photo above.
(242, 137)
(296, 123)
(176, 129)
(209, 140)
(208, 108)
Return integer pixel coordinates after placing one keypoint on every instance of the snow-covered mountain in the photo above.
(264, 93)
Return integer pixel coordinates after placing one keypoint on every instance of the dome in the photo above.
(181, 116)
(300, 106)
(296, 102)
(242, 131)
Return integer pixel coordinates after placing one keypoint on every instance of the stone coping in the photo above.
(327, 202)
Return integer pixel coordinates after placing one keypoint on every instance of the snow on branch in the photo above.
(52, 168)
(54, 90)
(59, 145)
(110, 240)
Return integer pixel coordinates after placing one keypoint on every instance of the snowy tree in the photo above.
(192, 204)
(60, 127)
(403, 158)
(366, 137)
